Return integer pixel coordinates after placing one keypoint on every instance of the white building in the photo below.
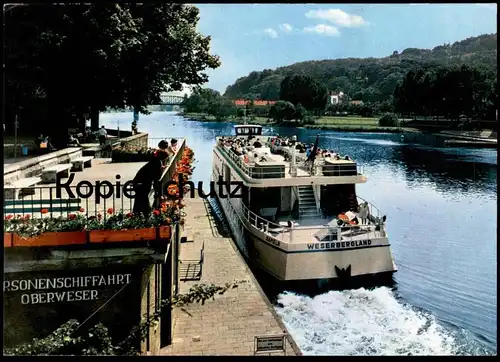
(335, 98)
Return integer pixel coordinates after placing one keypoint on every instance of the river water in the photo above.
(441, 207)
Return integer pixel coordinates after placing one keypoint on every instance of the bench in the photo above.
(92, 151)
(192, 269)
(24, 185)
(49, 174)
(80, 163)
(32, 206)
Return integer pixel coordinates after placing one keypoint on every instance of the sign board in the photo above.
(270, 343)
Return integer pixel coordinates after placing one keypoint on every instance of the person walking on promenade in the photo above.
(102, 134)
(147, 176)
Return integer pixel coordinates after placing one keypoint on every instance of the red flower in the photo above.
(8, 217)
(129, 214)
(110, 211)
(27, 217)
(156, 212)
(81, 209)
(71, 216)
(44, 211)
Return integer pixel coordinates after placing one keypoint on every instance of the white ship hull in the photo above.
(304, 258)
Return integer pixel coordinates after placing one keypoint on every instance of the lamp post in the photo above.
(6, 9)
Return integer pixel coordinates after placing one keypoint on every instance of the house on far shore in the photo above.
(335, 98)
(356, 103)
(257, 103)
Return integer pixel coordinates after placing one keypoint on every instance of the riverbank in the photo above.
(347, 124)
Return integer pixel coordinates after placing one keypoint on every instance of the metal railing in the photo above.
(169, 171)
(300, 169)
(44, 201)
(332, 234)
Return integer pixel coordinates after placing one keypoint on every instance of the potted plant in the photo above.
(46, 231)
(119, 227)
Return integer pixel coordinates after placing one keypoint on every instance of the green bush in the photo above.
(389, 120)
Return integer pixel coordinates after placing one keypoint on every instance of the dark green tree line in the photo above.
(209, 101)
(371, 80)
(449, 92)
(68, 62)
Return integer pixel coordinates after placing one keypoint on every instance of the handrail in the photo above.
(169, 171)
(371, 207)
(317, 169)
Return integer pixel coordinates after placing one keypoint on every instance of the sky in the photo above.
(253, 37)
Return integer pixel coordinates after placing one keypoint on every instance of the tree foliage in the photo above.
(448, 91)
(302, 89)
(370, 80)
(96, 340)
(209, 101)
(68, 62)
(282, 111)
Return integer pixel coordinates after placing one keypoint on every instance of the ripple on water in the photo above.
(368, 322)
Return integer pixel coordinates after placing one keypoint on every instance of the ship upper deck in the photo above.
(274, 161)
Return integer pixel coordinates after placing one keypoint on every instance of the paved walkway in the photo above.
(228, 324)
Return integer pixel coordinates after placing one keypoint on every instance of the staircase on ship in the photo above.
(308, 207)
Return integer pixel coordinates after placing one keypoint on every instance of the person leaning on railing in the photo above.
(147, 175)
(163, 146)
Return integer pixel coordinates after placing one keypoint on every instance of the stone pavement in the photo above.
(228, 324)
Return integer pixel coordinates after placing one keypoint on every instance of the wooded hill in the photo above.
(370, 79)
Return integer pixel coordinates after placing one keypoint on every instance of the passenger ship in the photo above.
(298, 220)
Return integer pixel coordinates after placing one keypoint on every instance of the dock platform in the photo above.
(227, 325)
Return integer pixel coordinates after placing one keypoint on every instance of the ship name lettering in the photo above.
(272, 241)
(339, 245)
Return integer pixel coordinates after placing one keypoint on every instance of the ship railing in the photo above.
(372, 209)
(330, 232)
(319, 168)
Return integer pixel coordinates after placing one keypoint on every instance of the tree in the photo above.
(84, 58)
(96, 341)
(300, 112)
(222, 108)
(281, 111)
(305, 90)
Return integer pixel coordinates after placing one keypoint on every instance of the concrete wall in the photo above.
(150, 302)
(138, 140)
(34, 166)
(37, 312)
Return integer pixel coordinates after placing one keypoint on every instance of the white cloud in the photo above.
(337, 17)
(323, 29)
(271, 32)
(488, 6)
(286, 27)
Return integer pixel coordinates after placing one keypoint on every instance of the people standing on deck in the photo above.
(147, 176)
(363, 213)
(102, 134)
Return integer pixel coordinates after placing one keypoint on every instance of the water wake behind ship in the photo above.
(373, 321)
(369, 322)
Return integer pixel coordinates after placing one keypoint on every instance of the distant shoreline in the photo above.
(332, 127)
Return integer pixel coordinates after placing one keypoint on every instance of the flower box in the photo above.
(7, 240)
(51, 239)
(110, 236)
(164, 232)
